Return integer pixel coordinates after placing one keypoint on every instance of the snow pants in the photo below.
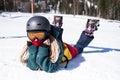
(83, 42)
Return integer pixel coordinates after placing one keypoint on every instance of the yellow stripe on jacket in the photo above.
(66, 53)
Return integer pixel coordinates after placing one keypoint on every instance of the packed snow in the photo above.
(99, 61)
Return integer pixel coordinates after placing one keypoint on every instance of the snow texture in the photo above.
(99, 61)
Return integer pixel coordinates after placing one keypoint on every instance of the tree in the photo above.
(1, 5)
(102, 8)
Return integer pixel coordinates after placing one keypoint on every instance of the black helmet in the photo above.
(38, 23)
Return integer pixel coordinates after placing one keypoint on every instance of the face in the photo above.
(32, 35)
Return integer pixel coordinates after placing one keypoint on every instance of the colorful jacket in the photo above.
(39, 57)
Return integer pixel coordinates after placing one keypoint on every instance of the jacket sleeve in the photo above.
(43, 55)
(43, 60)
(31, 63)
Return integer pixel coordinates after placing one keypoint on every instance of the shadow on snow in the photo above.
(75, 62)
(100, 49)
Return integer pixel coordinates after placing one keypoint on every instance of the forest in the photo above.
(108, 9)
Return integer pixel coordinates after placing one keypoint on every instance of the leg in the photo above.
(83, 42)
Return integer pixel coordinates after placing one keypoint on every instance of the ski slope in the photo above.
(99, 61)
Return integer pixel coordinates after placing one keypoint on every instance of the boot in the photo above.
(91, 26)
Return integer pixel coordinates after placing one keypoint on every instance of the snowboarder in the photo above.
(45, 49)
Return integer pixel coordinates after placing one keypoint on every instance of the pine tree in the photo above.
(1, 5)
(102, 8)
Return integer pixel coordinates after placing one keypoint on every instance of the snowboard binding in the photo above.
(91, 26)
(58, 21)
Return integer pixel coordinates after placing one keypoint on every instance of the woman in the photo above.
(45, 49)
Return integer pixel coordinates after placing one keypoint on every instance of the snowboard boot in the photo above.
(58, 21)
(91, 26)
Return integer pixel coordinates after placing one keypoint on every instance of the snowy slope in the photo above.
(99, 61)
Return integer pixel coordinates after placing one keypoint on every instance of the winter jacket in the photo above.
(40, 56)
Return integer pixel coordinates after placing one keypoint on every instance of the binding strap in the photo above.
(66, 61)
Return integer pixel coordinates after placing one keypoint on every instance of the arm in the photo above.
(31, 63)
(43, 60)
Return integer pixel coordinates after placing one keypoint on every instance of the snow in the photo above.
(99, 61)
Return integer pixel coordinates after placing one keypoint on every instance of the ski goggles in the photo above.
(36, 35)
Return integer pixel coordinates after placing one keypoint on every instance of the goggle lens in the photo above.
(38, 35)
